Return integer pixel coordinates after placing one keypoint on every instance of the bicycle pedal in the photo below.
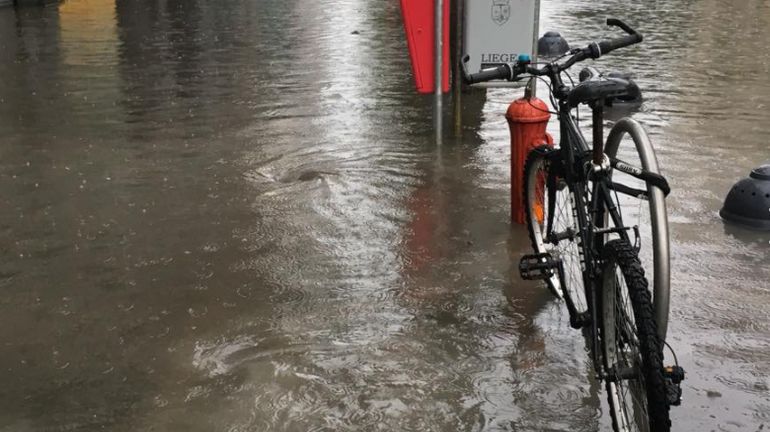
(538, 266)
(673, 377)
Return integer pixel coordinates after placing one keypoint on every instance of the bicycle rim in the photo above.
(537, 205)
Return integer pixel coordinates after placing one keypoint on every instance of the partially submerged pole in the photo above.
(535, 39)
(456, 81)
(439, 62)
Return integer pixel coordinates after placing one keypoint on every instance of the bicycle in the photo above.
(584, 251)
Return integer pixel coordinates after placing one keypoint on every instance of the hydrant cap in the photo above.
(524, 110)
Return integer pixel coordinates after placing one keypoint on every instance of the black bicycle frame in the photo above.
(578, 170)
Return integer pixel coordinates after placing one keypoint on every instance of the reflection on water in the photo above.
(233, 216)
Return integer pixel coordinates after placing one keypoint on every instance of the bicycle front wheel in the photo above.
(551, 221)
(633, 358)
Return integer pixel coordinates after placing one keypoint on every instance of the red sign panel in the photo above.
(420, 36)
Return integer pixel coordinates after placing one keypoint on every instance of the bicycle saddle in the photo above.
(595, 87)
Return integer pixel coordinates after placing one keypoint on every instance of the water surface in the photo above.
(233, 216)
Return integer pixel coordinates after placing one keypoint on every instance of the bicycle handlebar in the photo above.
(614, 22)
(594, 50)
(634, 37)
(503, 71)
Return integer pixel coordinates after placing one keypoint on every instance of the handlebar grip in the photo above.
(500, 72)
(610, 45)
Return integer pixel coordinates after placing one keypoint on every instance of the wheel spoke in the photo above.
(553, 227)
(552, 212)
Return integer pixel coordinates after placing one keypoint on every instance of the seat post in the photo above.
(597, 109)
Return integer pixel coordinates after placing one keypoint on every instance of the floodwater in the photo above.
(232, 216)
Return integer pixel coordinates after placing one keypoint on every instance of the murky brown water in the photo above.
(232, 216)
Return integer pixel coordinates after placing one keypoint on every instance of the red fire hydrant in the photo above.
(527, 118)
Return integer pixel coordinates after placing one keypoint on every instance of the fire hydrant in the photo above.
(527, 119)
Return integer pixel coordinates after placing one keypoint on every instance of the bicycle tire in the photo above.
(643, 369)
(537, 169)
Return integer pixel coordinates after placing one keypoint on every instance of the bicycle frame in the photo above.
(592, 217)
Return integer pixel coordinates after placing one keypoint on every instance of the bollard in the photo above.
(552, 44)
(634, 95)
(527, 119)
(748, 202)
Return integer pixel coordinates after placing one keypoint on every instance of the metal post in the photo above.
(439, 51)
(536, 37)
(456, 81)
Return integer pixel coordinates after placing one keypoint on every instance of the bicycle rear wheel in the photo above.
(551, 221)
(631, 348)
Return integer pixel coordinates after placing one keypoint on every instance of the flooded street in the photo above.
(233, 216)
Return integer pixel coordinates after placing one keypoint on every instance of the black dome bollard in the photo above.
(552, 45)
(634, 95)
(748, 202)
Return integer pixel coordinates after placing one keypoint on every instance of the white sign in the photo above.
(497, 31)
